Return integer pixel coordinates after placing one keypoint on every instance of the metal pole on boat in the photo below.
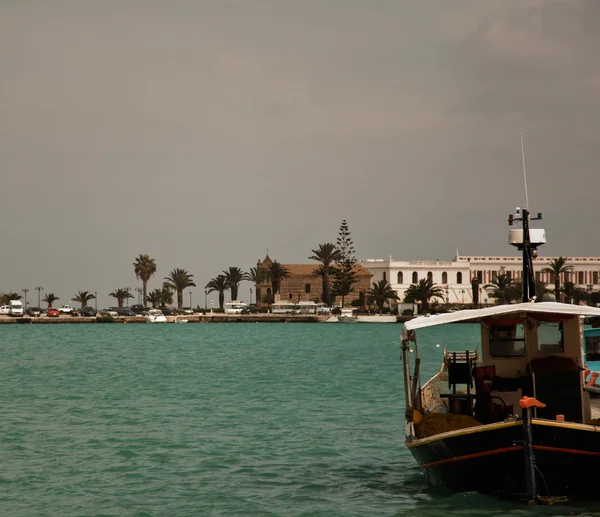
(526, 403)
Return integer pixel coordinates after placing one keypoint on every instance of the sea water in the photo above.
(218, 419)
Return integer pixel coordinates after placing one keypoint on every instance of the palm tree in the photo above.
(121, 295)
(515, 292)
(178, 280)
(234, 276)
(50, 299)
(573, 293)
(423, 291)
(256, 275)
(83, 297)
(556, 267)
(380, 293)
(160, 297)
(144, 268)
(327, 254)
(7, 297)
(275, 273)
(501, 288)
(219, 284)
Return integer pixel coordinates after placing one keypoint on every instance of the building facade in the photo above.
(455, 276)
(302, 286)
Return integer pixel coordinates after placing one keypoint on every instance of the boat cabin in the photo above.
(528, 349)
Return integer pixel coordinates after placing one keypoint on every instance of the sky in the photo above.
(205, 133)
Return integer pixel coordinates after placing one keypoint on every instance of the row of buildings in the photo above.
(454, 276)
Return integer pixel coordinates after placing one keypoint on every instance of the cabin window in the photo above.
(507, 341)
(550, 338)
(459, 278)
(307, 288)
(400, 277)
(444, 278)
(415, 278)
(430, 276)
(384, 276)
(592, 348)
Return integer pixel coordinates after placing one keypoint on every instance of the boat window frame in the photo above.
(494, 340)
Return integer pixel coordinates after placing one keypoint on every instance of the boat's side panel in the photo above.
(567, 456)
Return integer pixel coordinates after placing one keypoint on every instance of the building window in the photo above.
(538, 276)
(459, 278)
(444, 278)
(494, 276)
(580, 277)
(400, 277)
(291, 296)
(594, 277)
(509, 276)
(307, 288)
(384, 276)
(480, 276)
(430, 276)
(268, 290)
(415, 278)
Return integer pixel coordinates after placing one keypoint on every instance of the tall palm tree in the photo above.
(573, 293)
(515, 292)
(423, 291)
(50, 299)
(144, 267)
(327, 254)
(501, 288)
(178, 280)
(234, 276)
(83, 297)
(256, 275)
(557, 267)
(219, 284)
(7, 297)
(275, 273)
(380, 293)
(121, 295)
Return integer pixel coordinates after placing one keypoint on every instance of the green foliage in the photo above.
(160, 297)
(556, 268)
(503, 289)
(121, 295)
(380, 294)
(422, 292)
(83, 297)
(220, 285)
(7, 297)
(50, 299)
(178, 280)
(234, 276)
(275, 273)
(344, 274)
(326, 254)
(144, 268)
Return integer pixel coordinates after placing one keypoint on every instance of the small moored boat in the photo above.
(155, 316)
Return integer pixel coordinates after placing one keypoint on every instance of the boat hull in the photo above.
(490, 459)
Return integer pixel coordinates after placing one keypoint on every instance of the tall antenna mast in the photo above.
(524, 172)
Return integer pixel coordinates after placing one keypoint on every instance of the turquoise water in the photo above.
(217, 419)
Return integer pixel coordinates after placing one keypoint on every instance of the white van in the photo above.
(15, 308)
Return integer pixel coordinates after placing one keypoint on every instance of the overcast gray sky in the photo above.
(205, 132)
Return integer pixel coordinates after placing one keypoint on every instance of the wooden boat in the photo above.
(511, 418)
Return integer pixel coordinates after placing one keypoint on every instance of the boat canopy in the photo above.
(543, 308)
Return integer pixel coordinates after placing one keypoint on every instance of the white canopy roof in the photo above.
(475, 314)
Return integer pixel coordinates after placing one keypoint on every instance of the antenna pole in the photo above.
(524, 172)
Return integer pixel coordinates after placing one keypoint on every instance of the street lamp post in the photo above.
(251, 296)
(25, 291)
(190, 299)
(39, 290)
(96, 302)
(205, 300)
(127, 298)
(140, 292)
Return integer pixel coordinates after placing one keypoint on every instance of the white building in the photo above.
(455, 275)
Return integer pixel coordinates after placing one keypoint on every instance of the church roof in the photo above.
(307, 269)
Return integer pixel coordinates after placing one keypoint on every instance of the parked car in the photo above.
(109, 312)
(251, 309)
(168, 312)
(5, 310)
(187, 311)
(137, 309)
(52, 312)
(125, 311)
(34, 311)
(89, 312)
(65, 309)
